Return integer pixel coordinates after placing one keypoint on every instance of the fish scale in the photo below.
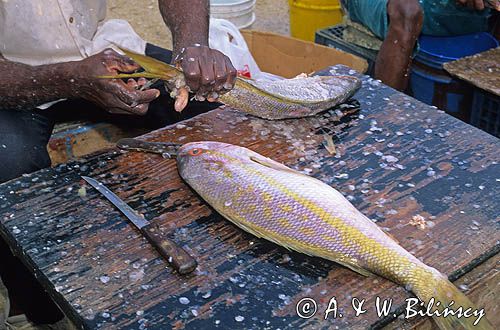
(274, 202)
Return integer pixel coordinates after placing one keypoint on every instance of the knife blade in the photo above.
(174, 254)
(165, 149)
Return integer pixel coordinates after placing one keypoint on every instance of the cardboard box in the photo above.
(289, 57)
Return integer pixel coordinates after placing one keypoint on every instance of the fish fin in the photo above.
(392, 237)
(445, 292)
(339, 258)
(132, 75)
(254, 230)
(243, 225)
(353, 265)
(153, 66)
(268, 162)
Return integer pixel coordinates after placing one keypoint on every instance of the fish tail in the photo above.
(453, 305)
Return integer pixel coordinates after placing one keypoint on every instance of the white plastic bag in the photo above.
(226, 38)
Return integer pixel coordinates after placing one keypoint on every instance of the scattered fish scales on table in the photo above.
(289, 98)
(301, 213)
(305, 264)
(350, 238)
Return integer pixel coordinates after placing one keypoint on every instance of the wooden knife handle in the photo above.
(174, 254)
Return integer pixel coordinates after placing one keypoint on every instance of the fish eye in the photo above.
(195, 152)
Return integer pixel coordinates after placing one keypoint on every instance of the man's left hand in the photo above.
(208, 72)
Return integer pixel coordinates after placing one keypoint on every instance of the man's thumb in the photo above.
(181, 100)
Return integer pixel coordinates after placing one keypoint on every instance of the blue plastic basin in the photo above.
(433, 53)
(423, 84)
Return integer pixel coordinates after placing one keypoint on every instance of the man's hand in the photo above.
(208, 72)
(472, 4)
(113, 95)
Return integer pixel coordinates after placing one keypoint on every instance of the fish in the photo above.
(296, 211)
(495, 4)
(283, 99)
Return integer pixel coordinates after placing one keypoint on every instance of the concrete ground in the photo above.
(271, 16)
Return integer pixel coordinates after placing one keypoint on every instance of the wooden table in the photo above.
(397, 158)
(481, 70)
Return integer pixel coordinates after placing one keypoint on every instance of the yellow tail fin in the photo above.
(454, 310)
(153, 68)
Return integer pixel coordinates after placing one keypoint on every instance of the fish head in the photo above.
(211, 168)
(200, 159)
(208, 158)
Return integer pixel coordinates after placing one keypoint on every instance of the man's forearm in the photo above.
(23, 86)
(188, 21)
(208, 72)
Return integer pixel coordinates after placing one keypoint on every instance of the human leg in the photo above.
(23, 140)
(26, 294)
(398, 23)
(394, 58)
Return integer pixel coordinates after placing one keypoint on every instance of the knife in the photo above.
(174, 254)
(166, 149)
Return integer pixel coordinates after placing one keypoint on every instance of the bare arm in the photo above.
(188, 20)
(480, 4)
(24, 87)
(208, 72)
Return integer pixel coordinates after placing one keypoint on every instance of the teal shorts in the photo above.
(441, 17)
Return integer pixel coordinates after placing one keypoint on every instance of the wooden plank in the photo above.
(104, 275)
(481, 70)
(72, 141)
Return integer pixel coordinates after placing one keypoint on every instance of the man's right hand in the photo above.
(473, 4)
(113, 95)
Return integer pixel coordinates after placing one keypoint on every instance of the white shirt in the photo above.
(39, 32)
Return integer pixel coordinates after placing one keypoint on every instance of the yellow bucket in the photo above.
(308, 16)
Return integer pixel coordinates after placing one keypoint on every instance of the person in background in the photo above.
(51, 54)
(399, 23)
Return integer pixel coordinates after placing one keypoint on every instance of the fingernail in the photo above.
(180, 104)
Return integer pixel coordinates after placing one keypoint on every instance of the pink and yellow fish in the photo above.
(301, 213)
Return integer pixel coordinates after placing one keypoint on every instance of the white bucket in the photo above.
(239, 12)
